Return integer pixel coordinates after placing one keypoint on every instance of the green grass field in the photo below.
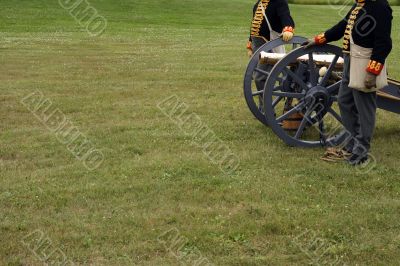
(282, 205)
(333, 2)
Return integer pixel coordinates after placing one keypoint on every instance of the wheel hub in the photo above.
(318, 96)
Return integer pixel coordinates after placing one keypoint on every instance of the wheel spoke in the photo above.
(276, 101)
(278, 88)
(301, 128)
(335, 114)
(329, 71)
(261, 71)
(334, 87)
(265, 73)
(322, 127)
(290, 112)
(322, 131)
(257, 93)
(296, 78)
(261, 92)
(288, 94)
(303, 123)
(313, 73)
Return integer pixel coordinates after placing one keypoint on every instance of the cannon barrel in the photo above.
(319, 59)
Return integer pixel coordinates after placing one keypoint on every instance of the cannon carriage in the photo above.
(298, 99)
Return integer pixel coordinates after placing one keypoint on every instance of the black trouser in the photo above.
(259, 78)
(358, 111)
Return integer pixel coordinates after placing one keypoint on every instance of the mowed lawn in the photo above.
(281, 206)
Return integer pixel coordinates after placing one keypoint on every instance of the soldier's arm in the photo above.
(335, 33)
(248, 46)
(383, 42)
(284, 15)
(286, 20)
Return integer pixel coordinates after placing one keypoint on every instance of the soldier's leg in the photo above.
(260, 78)
(348, 110)
(366, 106)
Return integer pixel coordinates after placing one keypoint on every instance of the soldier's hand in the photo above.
(318, 40)
(287, 34)
(308, 44)
(249, 49)
(370, 81)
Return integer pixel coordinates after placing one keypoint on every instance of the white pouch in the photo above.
(273, 35)
(359, 59)
(276, 35)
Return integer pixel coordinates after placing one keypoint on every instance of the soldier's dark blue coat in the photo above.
(278, 15)
(371, 22)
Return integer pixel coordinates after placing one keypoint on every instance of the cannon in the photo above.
(298, 100)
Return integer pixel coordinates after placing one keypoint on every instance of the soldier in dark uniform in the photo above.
(367, 25)
(280, 23)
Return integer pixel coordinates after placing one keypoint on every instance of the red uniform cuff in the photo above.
(374, 67)
(320, 39)
(249, 45)
(288, 29)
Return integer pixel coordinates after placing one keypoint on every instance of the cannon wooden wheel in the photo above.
(295, 87)
(252, 95)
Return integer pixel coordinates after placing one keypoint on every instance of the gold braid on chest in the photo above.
(259, 17)
(350, 25)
